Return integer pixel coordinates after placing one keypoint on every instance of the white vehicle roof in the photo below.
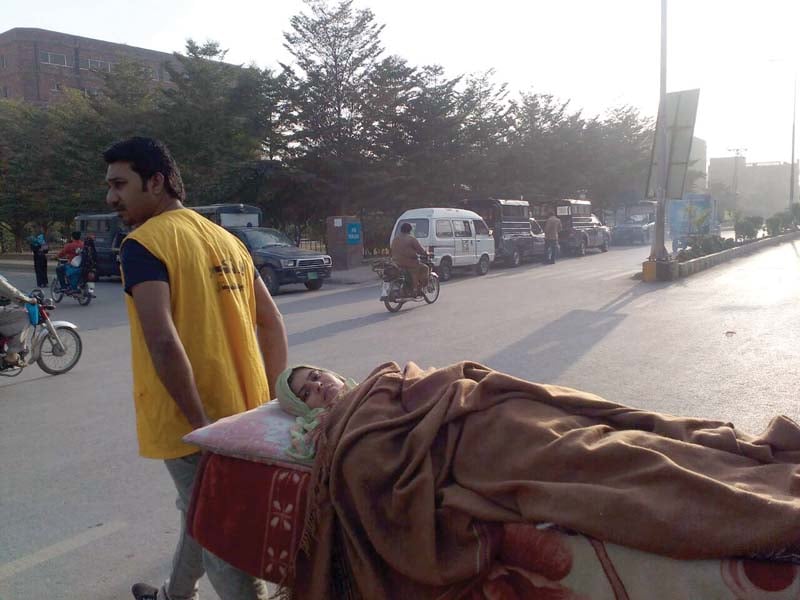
(439, 213)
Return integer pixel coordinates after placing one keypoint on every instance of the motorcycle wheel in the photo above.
(85, 297)
(392, 307)
(431, 292)
(53, 361)
(55, 291)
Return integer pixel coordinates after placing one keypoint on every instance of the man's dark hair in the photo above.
(148, 157)
(76, 235)
(405, 228)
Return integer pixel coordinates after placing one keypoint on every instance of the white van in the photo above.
(456, 238)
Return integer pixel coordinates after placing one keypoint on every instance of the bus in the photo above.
(108, 229)
(231, 215)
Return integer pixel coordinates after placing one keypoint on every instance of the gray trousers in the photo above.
(191, 561)
(13, 321)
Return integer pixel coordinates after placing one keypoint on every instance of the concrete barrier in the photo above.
(690, 267)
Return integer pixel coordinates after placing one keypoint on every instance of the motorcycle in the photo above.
(80, 284)
(53, 345)
(396, 288)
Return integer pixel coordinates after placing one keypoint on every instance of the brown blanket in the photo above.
(410, 462)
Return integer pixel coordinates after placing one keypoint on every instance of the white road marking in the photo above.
(60, 548)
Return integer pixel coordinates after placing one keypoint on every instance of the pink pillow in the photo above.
(258, 435)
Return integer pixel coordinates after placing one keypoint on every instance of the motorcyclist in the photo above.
(406, 250)
(13, 321)
(68, 252)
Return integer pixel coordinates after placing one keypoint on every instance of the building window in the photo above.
(90, 92)
(49, 58)
(3, 63)
(4, 92)
(56, 87)
(99, 65)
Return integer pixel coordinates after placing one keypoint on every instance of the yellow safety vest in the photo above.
(214, 309)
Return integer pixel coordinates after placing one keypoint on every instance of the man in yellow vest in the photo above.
(206, 338)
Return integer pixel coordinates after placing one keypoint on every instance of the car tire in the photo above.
(445, 269)
(314, 284)
(270, 278)
(482, 268)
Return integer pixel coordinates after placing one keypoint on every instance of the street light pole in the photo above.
(658, 250)
(793, 175)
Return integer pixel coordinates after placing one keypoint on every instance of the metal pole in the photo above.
(793, 180)
(657, 250)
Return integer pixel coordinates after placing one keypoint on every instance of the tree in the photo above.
(337, 50)
(212, 120)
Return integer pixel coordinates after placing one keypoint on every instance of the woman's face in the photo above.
(315, 387)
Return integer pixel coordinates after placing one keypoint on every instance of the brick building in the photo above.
(36, 65)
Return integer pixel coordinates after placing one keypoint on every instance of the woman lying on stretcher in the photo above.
(409, 464)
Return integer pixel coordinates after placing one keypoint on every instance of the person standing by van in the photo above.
(406, 250)
(552, 227)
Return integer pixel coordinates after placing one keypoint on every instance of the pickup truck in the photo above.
(280, 262)
(580, 229)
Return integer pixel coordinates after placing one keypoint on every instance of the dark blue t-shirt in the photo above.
(139, 265)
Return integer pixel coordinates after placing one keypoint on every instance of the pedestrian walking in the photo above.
(39, 247)
(552, 227)
(206, 339)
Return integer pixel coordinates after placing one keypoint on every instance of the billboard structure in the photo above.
(681, 113)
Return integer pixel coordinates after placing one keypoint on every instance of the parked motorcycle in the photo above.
(396, 288)
(54, 345)
(80, 277)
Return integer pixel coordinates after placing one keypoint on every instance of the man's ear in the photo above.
(155, 185)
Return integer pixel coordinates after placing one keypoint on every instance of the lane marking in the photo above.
(59, 549)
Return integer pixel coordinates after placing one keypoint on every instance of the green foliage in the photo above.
(747, 228)
(345, 129)
(703, 245)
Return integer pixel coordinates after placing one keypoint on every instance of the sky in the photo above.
(742, 54)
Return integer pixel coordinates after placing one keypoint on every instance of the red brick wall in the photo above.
(27, 78)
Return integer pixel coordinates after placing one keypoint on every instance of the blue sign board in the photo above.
(353, 233)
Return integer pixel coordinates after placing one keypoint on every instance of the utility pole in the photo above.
(737, 155)
(658, 251)
(793, 176)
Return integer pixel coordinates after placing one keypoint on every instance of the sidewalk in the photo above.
(357, 275)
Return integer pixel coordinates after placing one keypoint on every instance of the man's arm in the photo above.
(271, 334)
(9, 291)
(418, 247)
(151, 299)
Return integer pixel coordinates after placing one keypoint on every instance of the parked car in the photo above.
(280, 262)
(637, 229)
(581, 229)
(512, 229)
(454, 237)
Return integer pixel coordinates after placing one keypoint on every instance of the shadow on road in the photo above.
(324, 331)
(547, 352)
(316, 301)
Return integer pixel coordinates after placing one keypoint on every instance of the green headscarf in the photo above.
(308, 419)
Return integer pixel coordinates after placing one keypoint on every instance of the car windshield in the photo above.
(264, 238)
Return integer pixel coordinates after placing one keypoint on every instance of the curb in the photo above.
(695, 265)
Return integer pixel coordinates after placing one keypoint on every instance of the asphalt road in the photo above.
(82, 517)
